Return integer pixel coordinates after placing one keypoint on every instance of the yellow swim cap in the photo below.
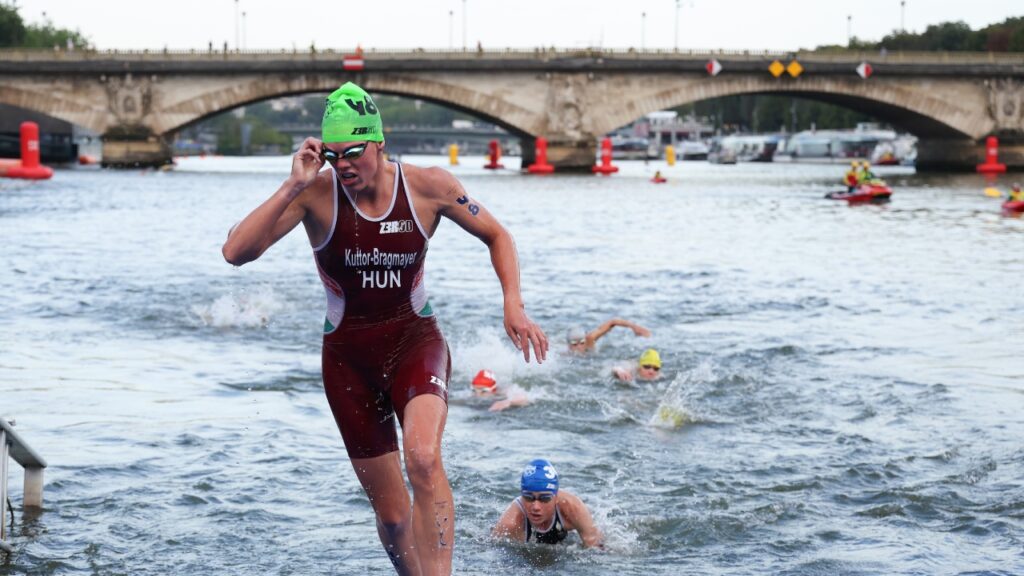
(650, 357)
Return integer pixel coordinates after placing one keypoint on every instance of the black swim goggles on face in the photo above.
(544, 497)
(651, 367)
(353, 153)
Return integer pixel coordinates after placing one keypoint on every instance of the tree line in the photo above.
(14, 33)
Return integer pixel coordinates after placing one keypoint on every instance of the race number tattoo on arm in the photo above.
(473, 208)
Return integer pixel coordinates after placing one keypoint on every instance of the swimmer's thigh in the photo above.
(363, 412)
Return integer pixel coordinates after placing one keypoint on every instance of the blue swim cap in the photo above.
(539, 476)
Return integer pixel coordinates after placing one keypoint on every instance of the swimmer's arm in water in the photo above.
(510, 525)
(453, 202)
(603, 329)
(624, 374)
(513, 401)
(579, 515)
(282, 212)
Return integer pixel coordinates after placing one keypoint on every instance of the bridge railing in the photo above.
(539, 53)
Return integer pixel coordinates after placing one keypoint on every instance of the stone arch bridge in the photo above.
(950, 101)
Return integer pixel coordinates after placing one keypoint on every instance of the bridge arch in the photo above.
(515, 119)
(919, 112)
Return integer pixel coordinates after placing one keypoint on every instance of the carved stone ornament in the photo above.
(129, 99)
(565, 113)
(1006, 104)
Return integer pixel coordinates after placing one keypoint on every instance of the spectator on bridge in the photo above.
(581, 341)
(384, 358)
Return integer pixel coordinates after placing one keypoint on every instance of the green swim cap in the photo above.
(351, 116)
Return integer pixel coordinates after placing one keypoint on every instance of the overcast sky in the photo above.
(702, 24)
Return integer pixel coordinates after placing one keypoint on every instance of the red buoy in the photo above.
(605, 167)
(541, 166)
(493, 155)
(991, 165)
(29, 168)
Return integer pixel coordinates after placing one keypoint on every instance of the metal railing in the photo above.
(539, 53)
(12, 446)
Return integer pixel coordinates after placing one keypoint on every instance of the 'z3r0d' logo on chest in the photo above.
(396, 227)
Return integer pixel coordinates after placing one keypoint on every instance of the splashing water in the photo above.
(246, 310)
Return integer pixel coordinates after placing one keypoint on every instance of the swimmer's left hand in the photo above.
(523, 332)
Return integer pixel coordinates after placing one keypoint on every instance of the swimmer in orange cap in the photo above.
(581, 341)
(485, 385)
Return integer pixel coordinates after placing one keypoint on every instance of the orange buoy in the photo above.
(541, 166)
(605, 167)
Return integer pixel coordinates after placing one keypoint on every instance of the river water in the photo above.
(843, 387)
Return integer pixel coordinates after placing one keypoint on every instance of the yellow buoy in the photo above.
(670, 155)
(993, 192)
(453, 154)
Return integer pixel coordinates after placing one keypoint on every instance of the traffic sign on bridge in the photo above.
(713, 67)
(864, 70)
(352, 62)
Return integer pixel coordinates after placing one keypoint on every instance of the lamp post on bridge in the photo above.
(451, 26)
(849, 30)
(643, 31)
(676, 45)
(903, 27)
(463, 25)
(236, 25)
(245, 42)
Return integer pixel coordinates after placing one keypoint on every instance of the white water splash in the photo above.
(246, 310)
(672, 411)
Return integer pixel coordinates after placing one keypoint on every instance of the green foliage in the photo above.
(1005, 36)
(46, 36)
(15, 34)
(12, 29)
(228, 128)
(397, 110)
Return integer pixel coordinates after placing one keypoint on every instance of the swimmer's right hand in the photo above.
(307, 162)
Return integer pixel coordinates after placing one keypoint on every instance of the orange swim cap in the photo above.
(484, 381)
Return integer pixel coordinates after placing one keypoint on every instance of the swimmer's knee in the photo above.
(394, 525)
(422, 465)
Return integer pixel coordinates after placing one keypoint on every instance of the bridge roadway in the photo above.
(136, 99)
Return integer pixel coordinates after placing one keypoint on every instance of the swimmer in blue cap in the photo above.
(544, 514)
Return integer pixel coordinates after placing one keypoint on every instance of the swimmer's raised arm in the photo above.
(279, 214)
(603, 329)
